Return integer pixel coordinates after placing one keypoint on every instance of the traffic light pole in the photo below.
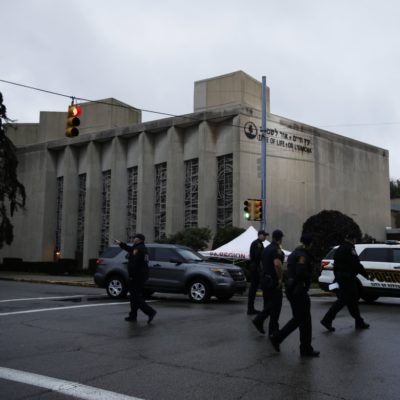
(263, 224)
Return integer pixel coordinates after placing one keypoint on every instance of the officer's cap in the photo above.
(139, 236)
(277, 234)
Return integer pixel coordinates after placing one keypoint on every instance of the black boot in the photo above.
(259, 325)
(327, 325)
(275, 342)
(361, 325)
(151, 316)
(309, 353)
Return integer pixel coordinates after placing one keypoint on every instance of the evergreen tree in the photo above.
(12, 192)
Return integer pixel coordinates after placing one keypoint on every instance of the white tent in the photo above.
(238, 248)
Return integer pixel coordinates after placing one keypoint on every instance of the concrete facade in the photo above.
(308, 170)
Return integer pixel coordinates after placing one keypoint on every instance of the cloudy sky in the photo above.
(331, 64)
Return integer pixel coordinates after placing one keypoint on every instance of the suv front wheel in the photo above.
(199, 291)
(369, 298)
(116, 287)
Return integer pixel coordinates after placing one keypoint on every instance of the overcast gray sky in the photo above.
(332, 64)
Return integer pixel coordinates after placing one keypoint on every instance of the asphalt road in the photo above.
(191, 351)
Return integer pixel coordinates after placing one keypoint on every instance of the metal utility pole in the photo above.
(263, 224)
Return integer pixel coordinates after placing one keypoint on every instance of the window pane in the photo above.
(191, 192)
(132, 202)
(164, 254)
(160, 200)
(105, 208)
(330, 255)
(382, 255)
(396, 255)
(81, 213)
(224, 190)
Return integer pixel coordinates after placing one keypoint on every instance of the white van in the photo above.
(382, 262)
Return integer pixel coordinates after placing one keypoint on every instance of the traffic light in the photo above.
(247, 209)
(73, 121)
(257, 210)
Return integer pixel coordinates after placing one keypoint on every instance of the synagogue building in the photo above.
(120, 175)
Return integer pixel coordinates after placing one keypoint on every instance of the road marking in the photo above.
(69, 388)
(65, 308)
(43, 298)
(59, 308)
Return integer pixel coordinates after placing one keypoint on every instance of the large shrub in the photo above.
(329, 228)
(196, 238)
(225, 235)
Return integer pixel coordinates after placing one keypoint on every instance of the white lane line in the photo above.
(43, 298)
(60, 308)
(66, 308)
(69, 388)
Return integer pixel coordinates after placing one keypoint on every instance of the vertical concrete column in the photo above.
(237, 216)
(91, 243)
(145, 207)
(70, 204)
(207, 178)
(119, 190)
(175, 182)
(47, 210)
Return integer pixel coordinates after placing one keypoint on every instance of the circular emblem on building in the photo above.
(250, 130)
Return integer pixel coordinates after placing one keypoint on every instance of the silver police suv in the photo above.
(382, 262)
(172, 269)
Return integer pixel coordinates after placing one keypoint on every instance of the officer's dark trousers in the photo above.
(254, 285)
(272, 308)
(300, 304)
(136, 289)
(347, 295)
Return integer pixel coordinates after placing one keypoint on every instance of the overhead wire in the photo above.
(175, 115)
(185, 116)
(109, 104)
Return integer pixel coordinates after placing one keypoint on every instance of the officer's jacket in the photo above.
(347, 263)
(299, 268)
(272, 252)
(256, 249)
(138, 266)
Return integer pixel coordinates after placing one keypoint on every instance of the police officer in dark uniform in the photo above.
(346, 267)
(271, 284)
(299, 270)
(138, 269)
(256, 249)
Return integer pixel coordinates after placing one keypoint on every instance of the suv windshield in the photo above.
(189, 255)
(330, 255)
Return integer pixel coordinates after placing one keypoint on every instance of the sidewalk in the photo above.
(77, 280)
(86, 280)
